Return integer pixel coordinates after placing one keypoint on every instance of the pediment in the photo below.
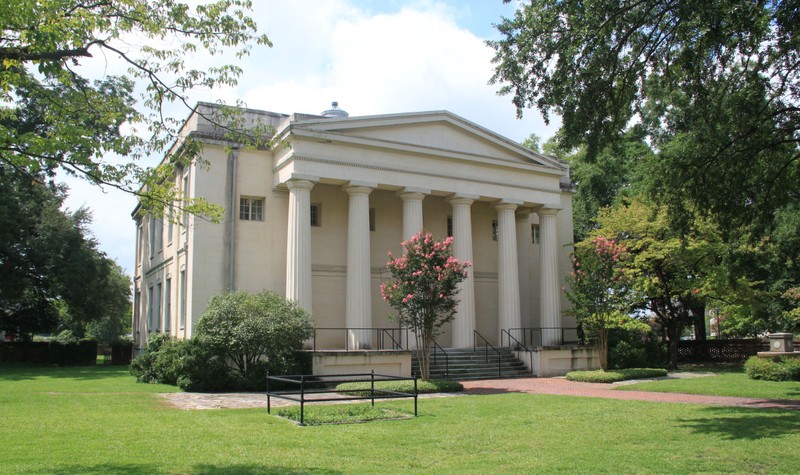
(435, 132)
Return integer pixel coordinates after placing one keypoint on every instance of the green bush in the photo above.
(83, 352)
(143, 366)
(423, 387)
(635, 348)
(773, 369)
(612, 376)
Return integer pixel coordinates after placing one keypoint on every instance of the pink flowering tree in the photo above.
(423, 290)
(601, 289)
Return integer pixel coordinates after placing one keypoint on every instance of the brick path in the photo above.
(561, 386)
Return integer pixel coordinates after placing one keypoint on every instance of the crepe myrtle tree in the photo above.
(600, 289)
(423, 290)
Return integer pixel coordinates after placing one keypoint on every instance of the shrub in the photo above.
(143, 366)
(614, 376)
(423, 387)
(635, 347)
(83, 352)
(773, 369)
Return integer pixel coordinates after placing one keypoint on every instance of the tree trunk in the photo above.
(602, 347)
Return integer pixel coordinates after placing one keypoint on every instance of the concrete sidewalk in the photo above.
(562, 387)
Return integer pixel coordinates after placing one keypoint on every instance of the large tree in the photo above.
(715, 85)
(48, 261)
(55, 114)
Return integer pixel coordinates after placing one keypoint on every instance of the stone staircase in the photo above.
(464, 364)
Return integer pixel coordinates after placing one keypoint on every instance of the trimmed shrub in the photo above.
(773, 369)
(423, 387)
(635, 348)
(143, 366)
(613, 376)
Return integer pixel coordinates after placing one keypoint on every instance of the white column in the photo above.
(358, 305)
(549, 298)
(508, 273)
(523, 263)
(298, 244)
(412, 211)
(464, 322)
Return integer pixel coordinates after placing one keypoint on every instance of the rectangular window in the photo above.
(137, 301)
(150, 309)
(316, 215)
(251, 209)
(185, 202)
(449, 226)
(170, 220)
(372, 219)
(494, 230)
(139, 243)
(157, 306)
(182, 317)
(168, 306)
(152, 236)
(535, 233)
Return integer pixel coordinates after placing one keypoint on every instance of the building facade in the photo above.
(314, 216)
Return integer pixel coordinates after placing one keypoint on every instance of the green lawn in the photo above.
(730, 382)
(97, 420)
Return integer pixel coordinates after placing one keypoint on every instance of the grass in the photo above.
(98, 420)
(729, 382)
(340, 414)
(614, 375)
(423, 387)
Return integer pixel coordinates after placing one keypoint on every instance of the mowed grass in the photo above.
(730, 382)
(98, 420)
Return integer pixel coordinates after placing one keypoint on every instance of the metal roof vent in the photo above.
(334, 111)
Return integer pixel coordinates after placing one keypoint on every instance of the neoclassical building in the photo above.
(314, 216)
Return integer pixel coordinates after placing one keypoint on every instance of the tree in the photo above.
(423, 290)
(249, 328)
(669, 269)
(48, 261)
(601, 289)
(53, 116)
(714, 85)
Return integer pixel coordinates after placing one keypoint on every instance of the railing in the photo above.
(486, 346)
(315, 388)
(446, 358)
(384, 338)
(534, 336)
(516, 345)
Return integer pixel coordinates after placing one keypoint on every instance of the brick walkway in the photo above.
(562, 387)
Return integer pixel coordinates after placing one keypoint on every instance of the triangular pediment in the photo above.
(435, 132)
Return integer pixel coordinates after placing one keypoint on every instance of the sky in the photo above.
(372, 56)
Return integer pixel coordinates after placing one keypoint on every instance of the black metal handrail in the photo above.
(520, 346)
(486, 346)
(382, 335)
(446, 358)
(532, 336)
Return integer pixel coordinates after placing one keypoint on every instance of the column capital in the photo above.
(462, 199)
(523, 214)
(357, 189)
(547, 211)
(410, 190)
(411, 195)
(299, 184)
(507, 205)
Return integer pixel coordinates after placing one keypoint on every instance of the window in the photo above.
(139, 243)
(170, 219)
(157, 305)
(182, 313)
(449, 226)
(150, 309)
(535, 233)
(494, 230)
(316, 214)
(137, 301)
(185, 201)
(251, 209)
(152, 236)
(168, 306)
(372, 219)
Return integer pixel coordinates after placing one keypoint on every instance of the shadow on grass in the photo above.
(734, 423)
(237, 469)
(10, 372)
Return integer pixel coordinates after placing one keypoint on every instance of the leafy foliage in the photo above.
(601, 289)
(423, 289)
(773, 369)
(44, 253)
(54, 116)
(601, 376)
(714, 86)
(250, 328)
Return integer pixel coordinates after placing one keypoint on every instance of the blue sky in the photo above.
(373, 57)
